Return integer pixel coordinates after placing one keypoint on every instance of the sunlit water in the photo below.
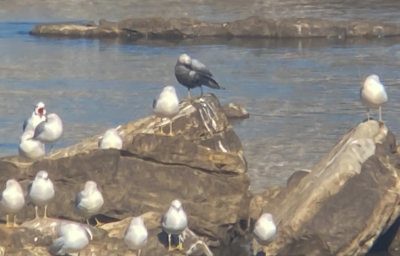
(302, 95)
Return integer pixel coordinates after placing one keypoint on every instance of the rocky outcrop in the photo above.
(202, 165)
(180, 28)
(344, 204)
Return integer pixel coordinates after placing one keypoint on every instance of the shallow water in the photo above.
(302, 95)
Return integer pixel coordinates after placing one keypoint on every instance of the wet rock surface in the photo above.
(344, 204)
(202, 165)
(180, 28)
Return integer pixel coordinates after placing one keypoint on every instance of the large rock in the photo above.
(202, 165)
(179, 28)
(344, 204)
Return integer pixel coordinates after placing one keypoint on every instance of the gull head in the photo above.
(372, 78)
(42, 175)
(90, 186)
(169, 89)
(185, 59)
(40, 109)
(176, 204)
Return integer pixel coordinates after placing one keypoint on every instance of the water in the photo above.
(302, 95)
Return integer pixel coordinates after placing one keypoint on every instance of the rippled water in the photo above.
(302, 95)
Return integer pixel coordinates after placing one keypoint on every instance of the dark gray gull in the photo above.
(89, 201)
(38, 116)
(167, 105)
(373, 94)
(30, 147)
(136, 235)
(49, 131)
(12, 200)
(41, 191)
(192, 73)
(174, 222)
(72, 239)
(110, 139)
(264, 229)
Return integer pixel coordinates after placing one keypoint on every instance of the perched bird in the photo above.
(38, 115)
(110, 139)
(41, 191)
(264, 229)
(49, 131)
(192, 73)
(72, 239)
(12, 200)
(373, 94)
(167, 105)
(30, 147)
(174, 222)
(89, 201)
(136, 235)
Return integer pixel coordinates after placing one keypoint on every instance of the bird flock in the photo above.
(42, 128)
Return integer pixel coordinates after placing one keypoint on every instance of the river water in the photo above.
(302, 95)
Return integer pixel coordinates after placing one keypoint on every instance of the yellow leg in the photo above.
(8, 221)
(170, 128)
(98, 223)
(45, 212)
(169, 243)
(36, 212)
(180, 246)
(15, 221)
(139, 252)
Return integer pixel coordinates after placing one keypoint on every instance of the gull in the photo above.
(110, 139)
(41, 191)
(174, 221)
(167, 105)
(136, 235)
(72, 239)
(49, 131)
(89, 201)
(12, 200)
(373, 94)
(38, 115)
(30, 147)
(192, 73)
(264, 229)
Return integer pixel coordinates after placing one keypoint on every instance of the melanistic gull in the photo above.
(110, 139)
(41, 191)
(264, 229)
(72, 239)
(373, 94)
(167, 105)
(38, 115)
(136, 235)
(49, 131)
(174, 222)
(30, 147)
(192, 73)
(12, 200)
(89, 201)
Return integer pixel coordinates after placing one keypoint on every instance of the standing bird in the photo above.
(41, 191)
(192, 73)
(110, 139)
(167, 105)
(174, 221)
(49, 131)
(72, 239)
(136, 235)
(264, 229)
(373, 94)
(30, 147)
(38, 115)
(89, 201)
(12, 200)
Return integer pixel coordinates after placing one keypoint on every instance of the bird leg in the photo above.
(169, 243)
(170, 128)
(45, 212)
(380, 114)
(180, 246)
(139, 251)
(368, 114)
(15, 221)
(98, 223)
(36, 212)
(8, 221)
(201, 88)
(188, 95)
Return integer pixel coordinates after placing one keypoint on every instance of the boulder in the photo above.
(254, 26)
(202, 165)
(343, 204)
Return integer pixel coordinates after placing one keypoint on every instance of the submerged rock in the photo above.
(347, 200)
(180, 28)
(202, 165)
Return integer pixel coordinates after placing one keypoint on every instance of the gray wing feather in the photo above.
(24, 125)
(56, 246)
(200, 67)
(154, 103)
(39, 129)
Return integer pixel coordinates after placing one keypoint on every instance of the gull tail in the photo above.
(213, 84)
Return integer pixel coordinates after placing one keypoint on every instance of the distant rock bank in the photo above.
(257, 27)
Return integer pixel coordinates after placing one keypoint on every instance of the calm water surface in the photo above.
(302, 95)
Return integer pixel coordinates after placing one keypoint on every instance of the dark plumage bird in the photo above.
(192, 73)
